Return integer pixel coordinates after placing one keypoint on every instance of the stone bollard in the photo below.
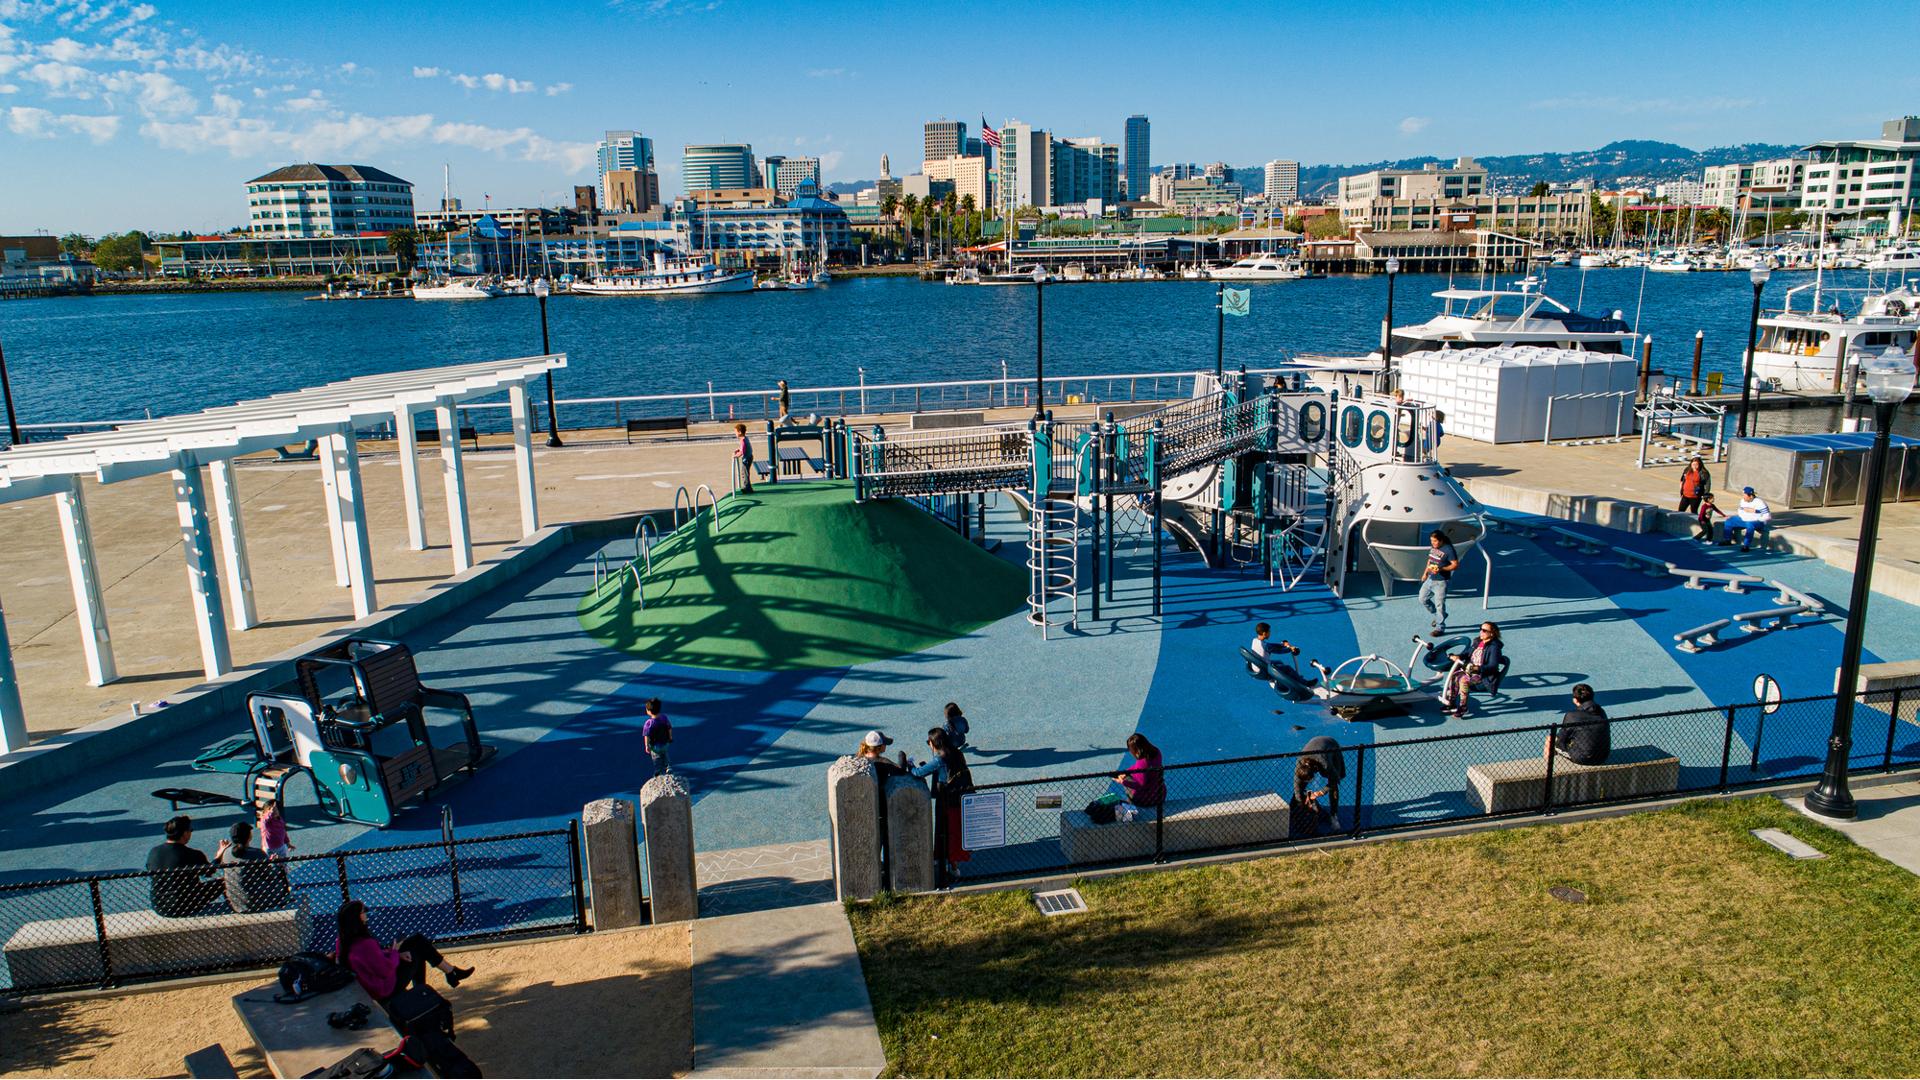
(666, 813)
(853, 822)
(613, 863)
(909, 835)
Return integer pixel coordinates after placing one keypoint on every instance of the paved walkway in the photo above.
(1888, 825)
(781, 993)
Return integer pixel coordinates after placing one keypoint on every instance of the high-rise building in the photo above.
(944, 139)
(785, 174)
(1083, 169)
(968, 175)
(1283, 182)
(327, 200)
(1026, 166)
(623, 150)
(712, 166)
(1139, 158)
(630, 191)
(1430, 181)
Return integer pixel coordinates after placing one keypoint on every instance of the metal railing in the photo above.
(1417, 783)
(99, 930)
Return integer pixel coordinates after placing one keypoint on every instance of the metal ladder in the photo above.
(1053, 561)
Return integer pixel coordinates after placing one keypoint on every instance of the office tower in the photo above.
(944, 139)
(713, 166)
(1139, 158)
(622, 150)
(1283, 182)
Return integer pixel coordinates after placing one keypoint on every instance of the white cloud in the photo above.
(8, 88)
(314, 101)
(830, 161)
(60, 79)
(559, 88)
(98, 128)
(349, 68)
(428, 72)
(45, 124)
(826, 73)
(155, 94)
(497, 82)
(66, 50)
(1414, 125)
(492, 80)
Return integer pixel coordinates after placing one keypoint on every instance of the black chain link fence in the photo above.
(1251, 802)
(112, 929)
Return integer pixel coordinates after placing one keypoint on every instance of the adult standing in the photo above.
(1442, 561)
(743, 457)
(951, 779)
(786, 403)
(1695, 483)
(181, 883)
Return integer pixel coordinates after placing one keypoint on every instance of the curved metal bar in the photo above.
(682, 493)
(712, 501)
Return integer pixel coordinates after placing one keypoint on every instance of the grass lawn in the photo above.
(1701, 952)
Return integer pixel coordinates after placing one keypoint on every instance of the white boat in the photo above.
(1670, 262)
(1265, 266)
(1801, 350)
(1593, 260)
(1895, 258)
(456, 289)
(667, 278)
(1522, 315)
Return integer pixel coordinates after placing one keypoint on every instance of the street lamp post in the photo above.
(1889, 381)
(540, 292)
(1220, 332)
(6, 390)
(1386, 336)
(1759, 277)
(1039, 342)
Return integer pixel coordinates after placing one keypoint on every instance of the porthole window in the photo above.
(1350, 427)
(1377, 429)
(1313, 422)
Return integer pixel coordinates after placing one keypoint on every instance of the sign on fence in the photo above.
(983, 820)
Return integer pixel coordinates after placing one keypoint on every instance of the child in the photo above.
(956, 727)
(744, 454)
(1703, 519)
(273, 830)
(656, 734)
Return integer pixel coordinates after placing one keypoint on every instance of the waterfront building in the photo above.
(528, 219)
(250, 256)
(1282, 182)
(968, 175)
(753, 198)
(923, 187)
(1084, 169)
(1026, 166)
(1567, 213)
(30, 263)
(631, 191)
(785, 174)
(586, 202)
(1136, 177)
(804, 224)
(626, 151)
(311, 200)
(1865, 176)
(943, 138)
(1431, 181)
(1197, 194)
(1441, 250)
(1681, 192)
(707, 166)
(1760, 185)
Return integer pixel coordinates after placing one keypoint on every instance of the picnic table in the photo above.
(296, 1040)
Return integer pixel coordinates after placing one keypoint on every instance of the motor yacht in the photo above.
(1265, 266)
(1815, 348)
(677, 277)
(457, 289)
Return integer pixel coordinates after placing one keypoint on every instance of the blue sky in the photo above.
(119, 113)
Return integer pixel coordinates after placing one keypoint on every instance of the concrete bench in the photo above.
(1647, 564)
(1501, 786)
(1730, 580)
(65, 952)
(296, 1039)
(932, 421)
(431, 436)
(1775, 618)
(1700, 637)
(1568, 538)
(1248, 817)
(1517, 528)
(1786, 594)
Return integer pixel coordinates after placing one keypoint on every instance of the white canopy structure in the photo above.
(182, 445)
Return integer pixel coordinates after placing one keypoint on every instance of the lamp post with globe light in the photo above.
(1039, 341)
(1386, 342)
(1889, 379)
(1758, 276)
(541, 290)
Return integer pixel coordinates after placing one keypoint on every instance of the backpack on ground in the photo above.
(309, 974)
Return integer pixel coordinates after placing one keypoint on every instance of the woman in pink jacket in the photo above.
(384, 972)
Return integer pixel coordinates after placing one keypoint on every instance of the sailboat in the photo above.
(447, 287)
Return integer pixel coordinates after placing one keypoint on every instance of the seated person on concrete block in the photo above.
(1753, 519)
(253, 882)
(384, 972)
(874, 749)
(1584, 736)
(1316, 808)
(182, 878)
(1142, 785)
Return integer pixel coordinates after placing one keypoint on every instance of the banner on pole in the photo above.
(1236, 301)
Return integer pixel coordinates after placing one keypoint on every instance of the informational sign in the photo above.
(1236, 301)
(983, 820)
(1812, 472)
(1046, 800)
(1767, 692)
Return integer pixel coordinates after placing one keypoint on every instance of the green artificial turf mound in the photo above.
(799, 575)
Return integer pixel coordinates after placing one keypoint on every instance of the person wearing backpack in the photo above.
(656, 735)
(951, 779)
(956, 727)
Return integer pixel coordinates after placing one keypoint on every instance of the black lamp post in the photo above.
(1039, 342)
(1220, 332)
(1386, 338)
(6, 390)
(1759, 277)
(540, 292)
(1889, 381)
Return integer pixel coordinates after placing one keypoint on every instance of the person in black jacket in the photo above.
(1313, 808)
(1583, 736)
(182, 882)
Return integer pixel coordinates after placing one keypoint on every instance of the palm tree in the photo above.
(405, 246)
(911, 205)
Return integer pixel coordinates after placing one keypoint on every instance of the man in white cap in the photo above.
(1754, 518)
(874, 749)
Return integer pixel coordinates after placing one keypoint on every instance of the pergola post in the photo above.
(523, 457)
(13, 719)
(203, 577)
(345, 449)
(336, 537)
(460, 537)
(89, 602)
(414, 511)
(233, 543)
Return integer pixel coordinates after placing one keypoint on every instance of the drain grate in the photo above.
(1060, 902)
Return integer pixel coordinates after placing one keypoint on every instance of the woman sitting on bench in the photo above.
(1471, 668)
(384, 972)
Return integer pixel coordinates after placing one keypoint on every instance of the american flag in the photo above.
(988, 135)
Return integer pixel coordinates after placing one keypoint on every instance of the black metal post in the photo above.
(553, 422)
(1893, 724)
(1153, 469)
(1546, 790)
(1039, 348)
(1220, 330)
(100, 932)
(1726, 748)
(340, 863)
(579, 884)
(1831, 798)
(1359, 785)
(6, 391)
(1386, 337)
(1746, 377)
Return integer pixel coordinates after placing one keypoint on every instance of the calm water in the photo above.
(90, 358)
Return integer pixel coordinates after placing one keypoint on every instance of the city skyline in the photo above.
(193, 99)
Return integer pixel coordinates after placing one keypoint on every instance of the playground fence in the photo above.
(98, 930)
(1416, 783)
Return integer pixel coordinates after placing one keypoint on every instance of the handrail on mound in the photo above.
(712, 501)
(645, 536)
(683, 493)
